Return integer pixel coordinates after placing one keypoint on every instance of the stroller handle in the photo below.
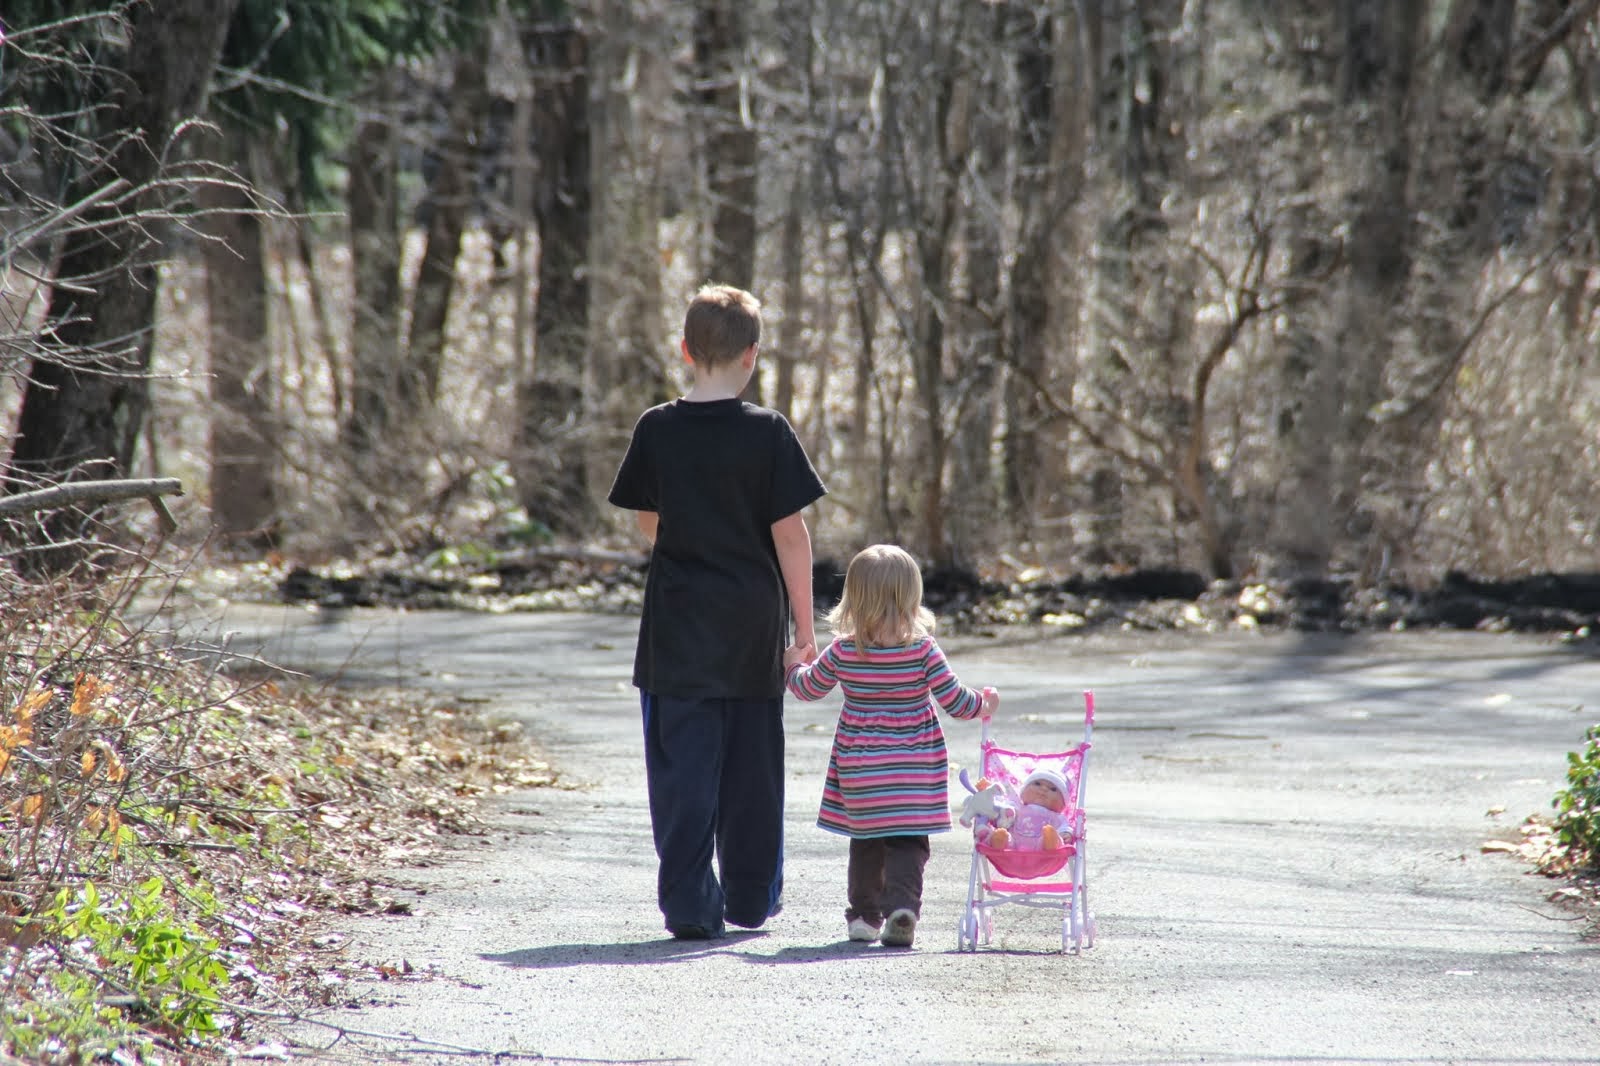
(1088, 717)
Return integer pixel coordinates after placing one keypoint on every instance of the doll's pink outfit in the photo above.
(1027, 832)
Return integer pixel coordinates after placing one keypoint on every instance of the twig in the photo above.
(196, 845)
(99, 492)
(1553, 917)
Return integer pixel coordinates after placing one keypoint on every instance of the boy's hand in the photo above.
(991, 700)
(798, 653)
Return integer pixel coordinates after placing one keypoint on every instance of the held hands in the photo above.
(991, 700)
(796, 654)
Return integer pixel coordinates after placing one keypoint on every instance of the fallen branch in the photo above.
(77, 492)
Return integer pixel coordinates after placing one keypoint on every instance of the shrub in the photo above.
(1577, 823)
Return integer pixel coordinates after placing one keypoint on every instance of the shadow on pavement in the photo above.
(556, 956)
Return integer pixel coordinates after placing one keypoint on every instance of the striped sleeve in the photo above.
(816, 680)
(958, 700)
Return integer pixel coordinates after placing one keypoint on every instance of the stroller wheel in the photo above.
(968, 936)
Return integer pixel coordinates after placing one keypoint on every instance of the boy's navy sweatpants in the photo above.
(715, 775)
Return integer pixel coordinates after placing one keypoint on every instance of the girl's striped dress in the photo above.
(889, 773)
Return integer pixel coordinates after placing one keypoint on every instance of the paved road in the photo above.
(1285, 864)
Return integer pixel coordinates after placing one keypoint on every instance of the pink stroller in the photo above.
(1046, 878)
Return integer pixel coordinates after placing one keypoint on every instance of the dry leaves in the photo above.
(281, 804)
(1537, 845)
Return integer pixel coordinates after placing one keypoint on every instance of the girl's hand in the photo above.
(795, 654)
(991, 700)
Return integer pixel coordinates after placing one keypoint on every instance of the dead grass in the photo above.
(228, 818)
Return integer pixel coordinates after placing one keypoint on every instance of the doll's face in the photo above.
(1043, 793)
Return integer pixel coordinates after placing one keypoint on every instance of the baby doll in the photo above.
(1039, 820)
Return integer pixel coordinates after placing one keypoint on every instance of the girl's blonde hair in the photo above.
(882, 602)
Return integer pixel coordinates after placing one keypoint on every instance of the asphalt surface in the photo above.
(1284, 864)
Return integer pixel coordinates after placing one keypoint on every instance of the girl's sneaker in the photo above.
(901, 929)
(863, 930)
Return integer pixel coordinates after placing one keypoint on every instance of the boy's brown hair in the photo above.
(721, 324)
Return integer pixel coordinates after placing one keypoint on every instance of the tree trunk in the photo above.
(1129, 267)
(450, 197)
(551, 449)
(791, 342)
(325, 333)
(1458, 161)
(721, 40)
(377, 384)
(929, 124)
(795, 83)
(628, 369)
(1334, 346)
(974, 510)
(244, 439)
(1302, 529)
(977, 341)
(85, 401)
(1053, 102)
(862, 203)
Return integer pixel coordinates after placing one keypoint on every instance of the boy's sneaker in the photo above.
(863, 930)
(695, 932)
(901, 929)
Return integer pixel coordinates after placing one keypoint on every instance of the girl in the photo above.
(888, 777)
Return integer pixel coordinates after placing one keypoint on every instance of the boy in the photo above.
(718, 485)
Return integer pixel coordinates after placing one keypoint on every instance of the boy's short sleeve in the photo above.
(719, 474)
(633, 488)
(795, 484)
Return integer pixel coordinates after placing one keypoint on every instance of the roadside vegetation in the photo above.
(1564, 846)
(1577, 818)
(1578, 805)
(176, 838)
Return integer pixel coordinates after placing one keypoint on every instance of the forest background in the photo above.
(1277, 289)
(1299, 291)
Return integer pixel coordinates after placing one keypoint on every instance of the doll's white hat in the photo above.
(1051, 776)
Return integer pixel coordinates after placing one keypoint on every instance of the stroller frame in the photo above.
(1033, 879)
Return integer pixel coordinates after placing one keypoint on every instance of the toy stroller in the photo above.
(1045, 875)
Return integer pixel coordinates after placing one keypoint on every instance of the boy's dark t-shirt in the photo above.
(716, 612)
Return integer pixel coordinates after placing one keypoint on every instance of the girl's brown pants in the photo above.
(885, 875)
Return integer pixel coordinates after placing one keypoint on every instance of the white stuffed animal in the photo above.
(984, 809)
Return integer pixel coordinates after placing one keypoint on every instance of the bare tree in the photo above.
(631, 93)
(551, 451)
(722, 89)
(1136, 305)
(1457, 151)
(373, 209)
(977, 334)
(86, 397)
(451, 205)
(1054, 102)
(245, 444)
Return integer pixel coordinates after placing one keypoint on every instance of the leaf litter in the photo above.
(255, 811)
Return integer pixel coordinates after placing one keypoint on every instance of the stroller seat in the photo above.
(1026, 865)
(1010, 876)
